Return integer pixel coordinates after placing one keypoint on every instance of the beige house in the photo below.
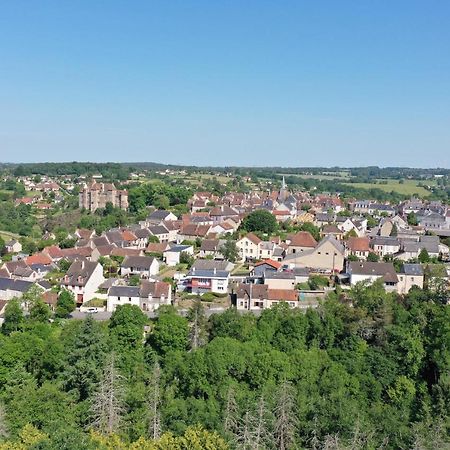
(410, 275)
(256, 297)
(327, 256)
(249, 247)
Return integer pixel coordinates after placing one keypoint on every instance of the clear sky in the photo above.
(292, 83)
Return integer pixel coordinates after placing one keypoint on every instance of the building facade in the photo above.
(96, 195)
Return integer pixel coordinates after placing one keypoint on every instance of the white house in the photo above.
(172, 255)
(144, 266)
(207, 280)
(13, 246)
(249, 247)
(372, 271)
(83, 279)
(149, 296)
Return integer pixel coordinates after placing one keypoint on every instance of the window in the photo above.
(129, 299)
(118, 298)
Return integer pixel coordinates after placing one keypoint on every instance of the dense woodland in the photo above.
(368, 376)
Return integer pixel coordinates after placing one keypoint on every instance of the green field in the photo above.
(7, 236)
(408, 187)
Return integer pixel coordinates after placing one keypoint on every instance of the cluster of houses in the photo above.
(343, 250)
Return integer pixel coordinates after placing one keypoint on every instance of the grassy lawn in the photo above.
(6, 235)
(408, 187)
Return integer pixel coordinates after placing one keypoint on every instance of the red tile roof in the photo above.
(270, 262)
(303, 239)
(252, 237)
(358, 244)
(282, 294)
(38, 258)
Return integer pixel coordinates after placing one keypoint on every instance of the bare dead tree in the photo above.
(3, 425)
(231, 414)
(154, 403)
(314, 441)
(332, 442)
(244, 433)
(430, 437)
(285, 418)
(261, 437)
(107, 404)
(196, 317)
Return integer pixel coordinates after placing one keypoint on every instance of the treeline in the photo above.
(374, 375)
(16, 219)
(109, 171)
(159, 194)
(80, 168)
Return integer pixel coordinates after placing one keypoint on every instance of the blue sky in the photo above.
(289, 83)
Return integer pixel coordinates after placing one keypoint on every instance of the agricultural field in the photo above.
(408, 187)
(343, 175)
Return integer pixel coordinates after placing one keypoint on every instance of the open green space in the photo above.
(408, 187)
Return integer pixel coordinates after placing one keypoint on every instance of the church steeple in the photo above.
(282, 196)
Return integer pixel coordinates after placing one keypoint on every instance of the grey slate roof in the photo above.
(204, 273)
(124, 291)
(142, 262)
(412, 269)
(14, 285)
(158, 214)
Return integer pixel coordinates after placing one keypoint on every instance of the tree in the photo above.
(127, 325)
(373, 257)
(230, 251)
(154, 403)
(162, 202)
(85, 357)
(186, 258)
(197, 321)
(424, 256)
(3, 424)
(260, 220)
(65, 304)
(134, 280)
(39, 311)
(285, 416)
(107, 403)
(231, 414)
(13, 318)
(412, 219)
(170, 333)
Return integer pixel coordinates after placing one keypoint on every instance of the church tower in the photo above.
(283, 195)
